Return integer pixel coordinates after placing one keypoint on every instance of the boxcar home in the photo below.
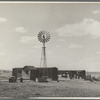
(51, 72)
(31, 72)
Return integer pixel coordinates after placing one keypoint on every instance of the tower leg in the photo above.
(43, 62)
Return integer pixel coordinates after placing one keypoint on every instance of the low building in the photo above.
(73, 74)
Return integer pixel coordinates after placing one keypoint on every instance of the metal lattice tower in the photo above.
(43, 37)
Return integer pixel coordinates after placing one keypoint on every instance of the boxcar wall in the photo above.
(49, 72)
(17, 72)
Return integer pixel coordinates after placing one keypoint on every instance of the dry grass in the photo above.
(63, 88)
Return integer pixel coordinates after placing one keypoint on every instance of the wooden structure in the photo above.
(17, 72)
(30, 72)
(73, 74)
(22, 72)
(49, 72)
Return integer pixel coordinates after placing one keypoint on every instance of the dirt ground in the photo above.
(63, 88)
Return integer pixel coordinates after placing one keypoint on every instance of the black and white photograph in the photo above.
(50, 49)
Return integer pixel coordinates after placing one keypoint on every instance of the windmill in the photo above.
(43, 37)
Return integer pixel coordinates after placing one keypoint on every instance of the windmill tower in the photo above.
(43, 37)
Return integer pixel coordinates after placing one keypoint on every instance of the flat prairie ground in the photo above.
(63, 88)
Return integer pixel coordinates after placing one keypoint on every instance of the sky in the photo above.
(74, 29)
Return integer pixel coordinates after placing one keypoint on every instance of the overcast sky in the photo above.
(74, 30)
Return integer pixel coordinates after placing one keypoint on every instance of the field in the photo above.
(63, 88)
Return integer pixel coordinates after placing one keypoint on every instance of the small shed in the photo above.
(22, 72)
